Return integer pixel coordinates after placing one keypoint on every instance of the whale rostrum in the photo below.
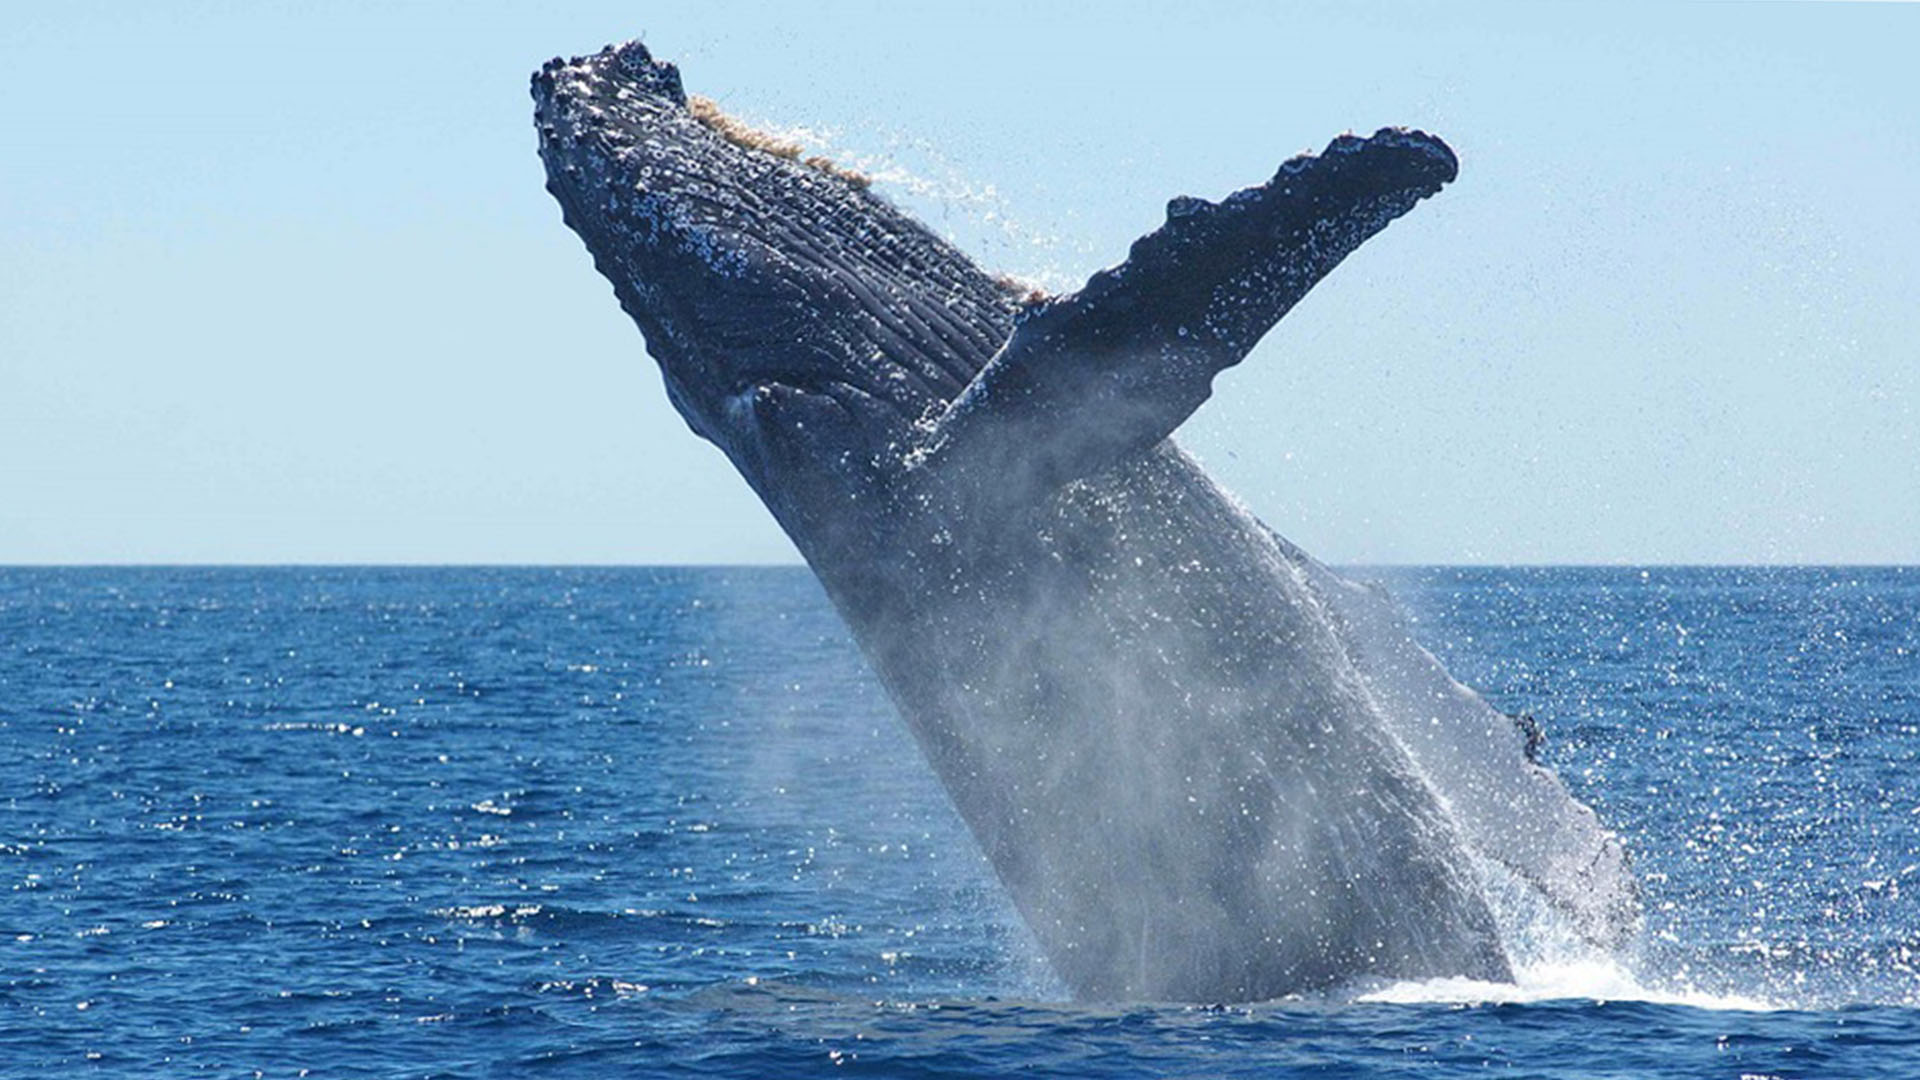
(1205, 766)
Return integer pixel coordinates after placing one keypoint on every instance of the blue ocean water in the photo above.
(597, 822)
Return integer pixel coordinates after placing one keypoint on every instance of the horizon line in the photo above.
(800, 565)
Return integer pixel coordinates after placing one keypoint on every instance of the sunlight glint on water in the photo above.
(589, 821)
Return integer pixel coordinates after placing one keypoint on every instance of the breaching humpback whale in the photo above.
(1206, 767)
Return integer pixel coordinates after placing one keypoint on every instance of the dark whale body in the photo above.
(1205, 767)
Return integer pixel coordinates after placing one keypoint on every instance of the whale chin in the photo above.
(1205, 767)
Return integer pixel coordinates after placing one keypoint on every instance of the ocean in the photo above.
(386, 822)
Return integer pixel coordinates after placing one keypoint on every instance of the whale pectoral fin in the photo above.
(1091, 378)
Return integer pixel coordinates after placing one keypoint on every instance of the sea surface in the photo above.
(646, 822)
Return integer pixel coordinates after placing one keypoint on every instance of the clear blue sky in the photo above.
(279, 283)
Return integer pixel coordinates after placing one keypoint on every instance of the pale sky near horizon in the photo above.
(280, 282)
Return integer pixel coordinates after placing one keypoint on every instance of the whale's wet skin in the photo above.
(1204, 766)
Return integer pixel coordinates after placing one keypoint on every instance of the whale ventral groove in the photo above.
(1205, 766)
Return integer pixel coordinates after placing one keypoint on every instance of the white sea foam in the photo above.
(1589, 978)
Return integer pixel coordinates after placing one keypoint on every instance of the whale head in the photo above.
(790, 343)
